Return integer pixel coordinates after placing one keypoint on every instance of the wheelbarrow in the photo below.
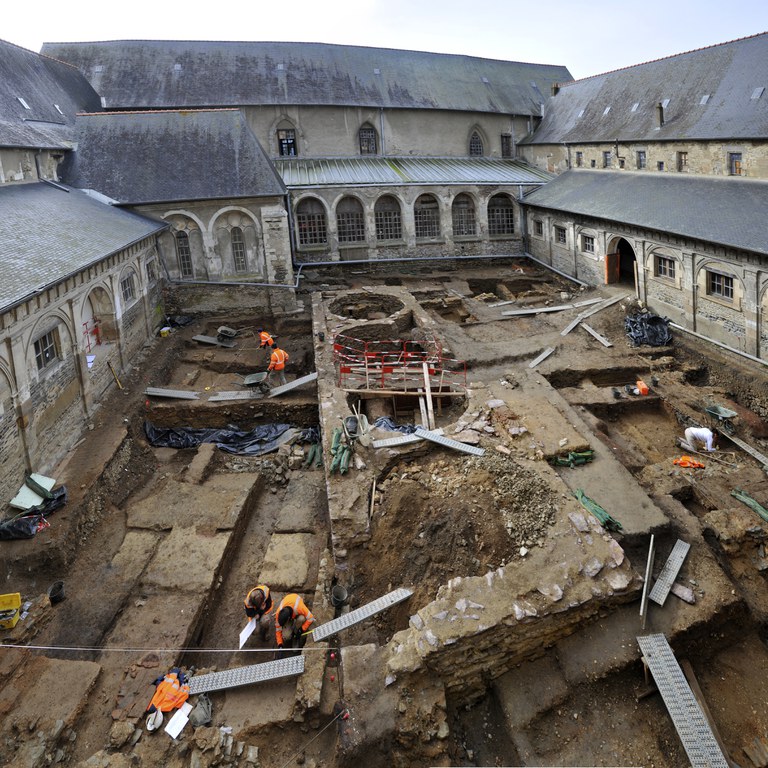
(257, 380)
(724, 416)
(224, 333)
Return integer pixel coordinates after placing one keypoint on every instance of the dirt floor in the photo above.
(136, 510)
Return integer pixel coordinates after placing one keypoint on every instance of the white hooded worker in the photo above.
(701, 436)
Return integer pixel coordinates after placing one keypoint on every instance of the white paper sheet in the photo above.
(247, 631)
(179, 720)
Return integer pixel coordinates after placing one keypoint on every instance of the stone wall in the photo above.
(193, 298)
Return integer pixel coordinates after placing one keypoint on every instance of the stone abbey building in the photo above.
(213, 166)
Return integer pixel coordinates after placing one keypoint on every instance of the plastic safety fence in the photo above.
(360, 614)
(692, 726)
(257, 673)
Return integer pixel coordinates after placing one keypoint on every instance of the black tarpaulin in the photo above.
(253, 442)
(649, 329)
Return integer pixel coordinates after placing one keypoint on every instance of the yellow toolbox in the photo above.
(9, 610)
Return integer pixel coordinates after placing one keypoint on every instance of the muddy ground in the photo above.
(437, 514)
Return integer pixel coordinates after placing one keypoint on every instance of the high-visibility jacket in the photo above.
(265, 339)
(252, 610)
(298, 608)
(688, 461)
(169, 694)
(277, 359)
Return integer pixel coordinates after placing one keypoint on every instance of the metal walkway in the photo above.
(447, 442)
(700, 744)
(392, 442)
(669, 572)
(257, 673)
(359, 614)
(292, 384)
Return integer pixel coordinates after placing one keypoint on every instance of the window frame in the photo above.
(735, 166)
(588, 244)
(476, 146)
(315, 233)
(720, 286)
(681, 158)
(350, 224)
(184, 255)
(507, 147)
(239, 253)
(538, 228)
(607, 159)
(579, 159)
(128, 288)
(287, 146)
(427, 224)
(369, 144)
(463, 216)
(560, 235)
(388, 219)
(664, 267)
(501, 217)
(641, 159)
(44, 357)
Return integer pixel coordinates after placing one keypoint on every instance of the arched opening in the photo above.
(388, 219)
(463, 215)
(311, 223)
(620, 263)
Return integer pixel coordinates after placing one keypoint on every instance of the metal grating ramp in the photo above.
(292, 384)
(448, 443)
(391, 442)
(180, 394)
(669, 572)
(690, 723)
(256, 673)
(359, 614)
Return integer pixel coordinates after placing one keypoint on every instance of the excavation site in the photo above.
(472, 478)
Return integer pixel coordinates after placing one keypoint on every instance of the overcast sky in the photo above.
(588, 37)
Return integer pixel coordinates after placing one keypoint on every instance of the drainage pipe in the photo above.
(719, 344)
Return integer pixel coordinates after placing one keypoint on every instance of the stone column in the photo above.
(689, 289)
(750, 308)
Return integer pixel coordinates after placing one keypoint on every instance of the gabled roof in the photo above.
(149, 157)
(714, 93)
(715, 209)
(53, 93)
(298, 172)
(48, 233)
(142, 74)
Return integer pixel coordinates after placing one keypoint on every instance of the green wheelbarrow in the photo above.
(256, 380)
(724, 416)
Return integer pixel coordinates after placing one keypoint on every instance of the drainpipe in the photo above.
(383, 148)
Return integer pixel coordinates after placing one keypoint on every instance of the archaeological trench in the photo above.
(518, 643)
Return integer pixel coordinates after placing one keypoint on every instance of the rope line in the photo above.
(102, 649)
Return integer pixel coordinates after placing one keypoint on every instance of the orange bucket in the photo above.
(642, 387)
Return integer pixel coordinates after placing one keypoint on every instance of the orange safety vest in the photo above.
(298, 608)
(266, 340)
(170, 694)
(277, 359)
(267, 601)
(688, 461)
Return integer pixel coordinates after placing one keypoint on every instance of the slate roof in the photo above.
(149, 74)
(297, 172)
(148, 157)
(720, 210)
(728, 75)
(47, 233)
(42, 83)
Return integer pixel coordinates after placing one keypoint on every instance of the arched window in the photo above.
(311, 222)
(426, 217)
(238, 250)
(463, 214)
(475, 145)
(367, 135)
(350, 220)
(286, 142)
(184, 254)
(501, 216)
(389, 225)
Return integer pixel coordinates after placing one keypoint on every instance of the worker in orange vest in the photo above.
(292, 620)
(171, 692)
(258, 604)
(265, 339)
(277, 362)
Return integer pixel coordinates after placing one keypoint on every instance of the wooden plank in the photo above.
(423, 409)
(543, 356)
(587, 313)
(559, 308)
(428, 397)
(594, 333)
(745, 447)
(367, 394)
(685, 665)
(214, 341)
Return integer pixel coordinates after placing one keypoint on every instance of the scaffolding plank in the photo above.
(256, 673)
(448, 443)
(214, 341)
(690, 722)
(360, 614)
(393, 442)
(292, 384)
(745, 447)
(543, 356)
(237, 395)
(179, 394)
(588, 312)
(669, 572)
(537, 310)
(592, 332)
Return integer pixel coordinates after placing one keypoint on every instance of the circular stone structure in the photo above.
(366, 306)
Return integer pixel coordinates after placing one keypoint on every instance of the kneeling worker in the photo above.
(701, 436)
(258, 604)
(292, 620)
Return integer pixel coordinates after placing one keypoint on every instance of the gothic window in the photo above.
(367, 135)
(184, 254)
(463, 215)
(238, 250)
(311, 223)
(426, 217)
(286, 142)
(350, 221)
(506, 145)
(388, 219)
(501, 216)
(475, 145)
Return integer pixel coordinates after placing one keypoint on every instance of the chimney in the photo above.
(660, 113)
(555, 89)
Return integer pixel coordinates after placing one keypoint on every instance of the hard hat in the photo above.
(155, 720)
